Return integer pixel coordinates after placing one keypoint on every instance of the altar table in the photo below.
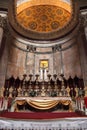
(41, 103)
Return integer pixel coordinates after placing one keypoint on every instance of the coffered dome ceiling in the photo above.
(42, 19)
(43, 15)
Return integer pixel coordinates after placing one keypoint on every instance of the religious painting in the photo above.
(44, 63)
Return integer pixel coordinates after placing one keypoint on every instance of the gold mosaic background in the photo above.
(43, 18)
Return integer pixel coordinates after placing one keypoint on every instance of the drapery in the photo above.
(43, 104)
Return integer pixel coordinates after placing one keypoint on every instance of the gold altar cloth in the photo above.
(43, 103)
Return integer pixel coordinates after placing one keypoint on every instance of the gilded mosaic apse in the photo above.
(43, 18)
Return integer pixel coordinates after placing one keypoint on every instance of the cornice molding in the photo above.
(42, 44)
(22, 43)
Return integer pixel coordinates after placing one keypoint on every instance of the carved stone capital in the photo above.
(83, 20)
(56, 48)
(1, 21)
(3, 24)
(31, 49)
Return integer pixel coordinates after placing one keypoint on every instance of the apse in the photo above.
(43, 66)
(43, 30)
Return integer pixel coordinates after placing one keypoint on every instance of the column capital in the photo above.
(83, 20)
(1, 21)
(3, 24)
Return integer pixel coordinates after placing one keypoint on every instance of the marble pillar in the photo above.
(1, 30)
(1, 35)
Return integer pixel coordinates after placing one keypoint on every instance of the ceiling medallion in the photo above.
(59, 12)
(55, 24)
(32, 25)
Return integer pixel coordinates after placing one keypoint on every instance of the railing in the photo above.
(62, 124)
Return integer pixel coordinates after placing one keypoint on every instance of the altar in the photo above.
(41, 103)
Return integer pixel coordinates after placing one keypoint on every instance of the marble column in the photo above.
(82, 44)
(61, 61)
(4, 51)
(85, 25)
(1, 30)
